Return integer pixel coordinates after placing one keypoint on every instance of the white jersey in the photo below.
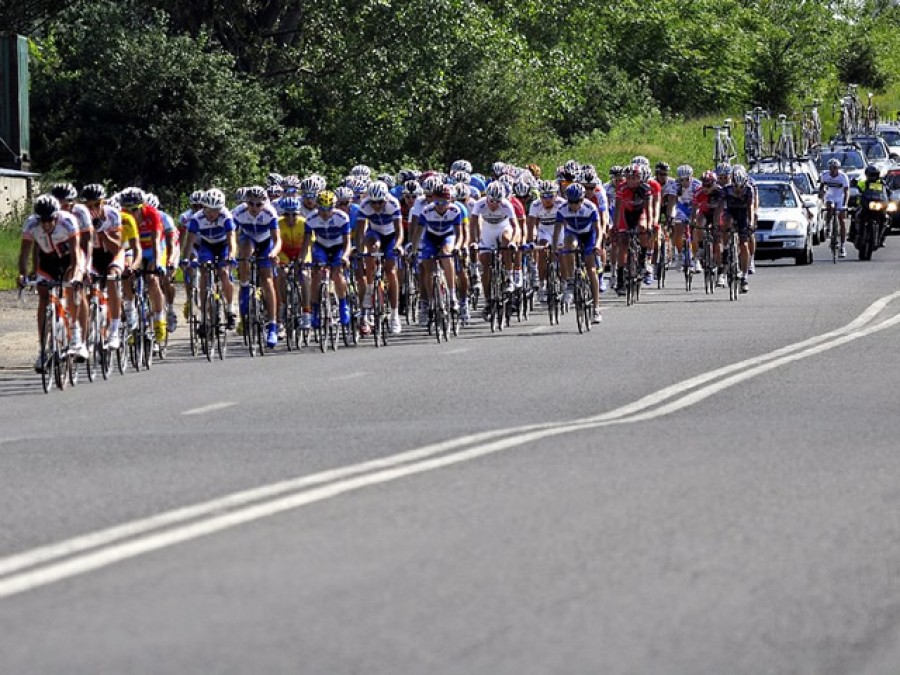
(417, 207)
(83, 216)
(257, 228)
(684, 198)
(546, 217)
(386, 221)
(834, 187)
(61, 238)
(504, 215)
(111, 220)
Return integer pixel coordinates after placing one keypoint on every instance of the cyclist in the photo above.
(153, 257)
(542, 227)
(172, 246)
(580, 220)
(292, 227)
(595, 192)
(59, 258)
(680, 200)
(382, 231)
(834, 187)
(633, 212)
(463, 196)
(184, 218)
(870, 189)
(735, 210)
(439, 235)
(66, 194)
(108, 256)
(493, 218)
(212, 231)
(331, 248)
(258, 236)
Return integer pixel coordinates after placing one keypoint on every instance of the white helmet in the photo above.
(685, 171)
(496, 190)
(151, 200)
(378, 191)
(213, 199)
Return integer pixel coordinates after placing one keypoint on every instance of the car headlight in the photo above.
(792, 225)
(875, 206)
(892, 207)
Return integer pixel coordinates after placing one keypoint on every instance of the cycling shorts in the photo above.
(490, 233)
(147, 256)
(289, 253)
(104, 263)
(587, 241)
(435, 244)
(682, 212)
(545, 233)
(260, 249)
(741, 223)
(387, 243)
(207, 252)
(632, 220)
(52, 267)
(328, 255)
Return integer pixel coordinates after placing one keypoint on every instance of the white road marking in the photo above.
(349, 376)
(387, 469)
(461, 350)
(209, 408)
(538, 329)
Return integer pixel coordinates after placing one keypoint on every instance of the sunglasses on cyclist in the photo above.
(256, 204)
(344, 202)
(491, 200)
(376, 202)
(440, 202)
(548, 195)
(327, 209)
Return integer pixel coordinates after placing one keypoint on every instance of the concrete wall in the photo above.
(15, 193)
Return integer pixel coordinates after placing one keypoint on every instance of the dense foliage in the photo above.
(175, 94)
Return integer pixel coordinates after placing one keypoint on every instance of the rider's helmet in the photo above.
(662, 166)
(131, 196)
(378, 191)
(495, 191)
(547, 187)
(411, 187)
(256, 193)
(708, 178)
(274, 179)
(273, 192)
(406, 174)
(212, 199)
(589, 176)
(723, 170)
(640, 159)
(461, 191)
(575, 192)
(521, 188)
(739, 176)
(151, 200)
(361, 171)
(325, 199)
(461, 165)
(289, 205)
(685, 171)
(387, 179)
(834, 163)
(644, 172)
(196, 198)
(308, 187)
(93, 192)
(616, 170)
(46, 207)
(872, 172)
(343, 193)
(442, 191)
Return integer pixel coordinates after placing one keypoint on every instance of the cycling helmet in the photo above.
(289, 205)
(461, 165)
(546, 187)
(325, 199)
(358, 185)
(430, 183)
(575, 192)
(522, 188)
(321, 181)
(240, 195)
(255, 192)
(114, 202)
(131, 196)
(571, 166)
(708, 177)
(495, 190)
(461, 191)
(387, 179)
(378, 191)
(723, 170)
(644, 170)
(64, 192)
(589, 176)
(640, 159)
(196, 197)
(292, 182)
(872, 172)
(834, 163)
(343, 194)
(411, 187)
(498, 169)
(93, 192)
(273, 192)
(615, 170)
(442, 191)
(151, 200)
(46, 207)
(534, 169)
(460, 177)
(308, 187)
(739, 176)
(274, 179)
(213, 199)
(406, 174)
(685, 171)
(662, 166)
(361, 171)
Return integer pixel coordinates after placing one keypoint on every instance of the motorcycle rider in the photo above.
(871, 189)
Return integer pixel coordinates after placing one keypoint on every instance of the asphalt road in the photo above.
(744, 522)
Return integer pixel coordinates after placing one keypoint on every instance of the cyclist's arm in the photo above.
(276, 243)
(24, 256)
(348, 244)
(476, 228)
(77, 259)
(531, 225)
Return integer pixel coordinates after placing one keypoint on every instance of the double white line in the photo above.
(47, 564)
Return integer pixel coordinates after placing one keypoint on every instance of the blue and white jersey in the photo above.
(211, 231)
(397, 191)
(329, 231)
(684, 197)
(598, 197)
(464, 208)
(441, 224)
(387, 220)
(185, 218)
(581, 220)
(259, 227)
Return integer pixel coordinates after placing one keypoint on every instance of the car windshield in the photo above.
(804, 185)
(849, 159)
(890, 136)
(875, 151)
(776, 196)
(892, 181)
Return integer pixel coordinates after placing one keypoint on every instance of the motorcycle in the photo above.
(870, 222)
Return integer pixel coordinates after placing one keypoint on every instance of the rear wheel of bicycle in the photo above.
(91, 342)
(579, 306)
(208, 326)
(120, 352)
(219, 330)
(193, 336)
(662, 263)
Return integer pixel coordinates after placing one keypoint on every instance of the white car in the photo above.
(806, 178)
(891, 135)
(784, 225)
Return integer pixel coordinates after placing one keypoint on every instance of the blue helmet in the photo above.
(575, 192)
(289, 204)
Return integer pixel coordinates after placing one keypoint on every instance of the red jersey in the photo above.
(706, 201)
(148, 221)
(518, 208)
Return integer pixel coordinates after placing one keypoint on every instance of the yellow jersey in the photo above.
(129, 229)
(292, 239)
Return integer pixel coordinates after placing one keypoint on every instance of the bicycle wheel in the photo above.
(291, 316)
(92, 342)
(47, 349)
(249, 322)
(579, 303)
(661, 263)
(193, 333)
(219, 329)
(378, 312)
(208, 325)
(120, 352)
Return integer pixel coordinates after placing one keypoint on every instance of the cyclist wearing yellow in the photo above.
(293, 235)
